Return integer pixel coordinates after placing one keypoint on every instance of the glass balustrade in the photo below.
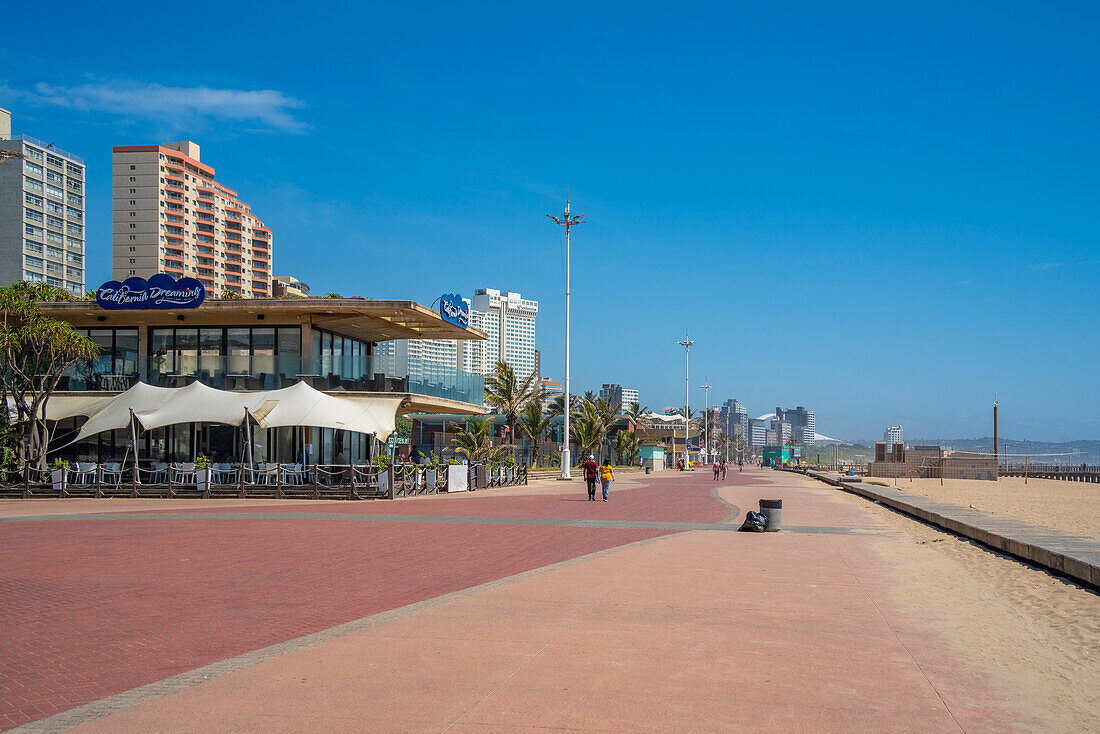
(352, 373)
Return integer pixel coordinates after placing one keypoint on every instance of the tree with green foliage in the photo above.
(474, 438)
(35, 351)
(635, 412)
(627, 446)
(534, 424)
(510, 395)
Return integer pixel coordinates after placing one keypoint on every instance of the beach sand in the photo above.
(1037, 632)
(1070, 506)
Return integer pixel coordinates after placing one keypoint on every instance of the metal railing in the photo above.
(261, 480)
(1064, 472)
(44, 146)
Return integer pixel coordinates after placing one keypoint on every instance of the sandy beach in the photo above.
(1070, 506)
(1032, 630)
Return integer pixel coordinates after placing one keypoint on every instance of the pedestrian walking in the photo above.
(723, 470)
(607, 476)
(717, 467)
(591, 470)
(740, 465)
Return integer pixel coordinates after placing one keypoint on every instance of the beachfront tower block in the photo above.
(41, 212)
(172, 216)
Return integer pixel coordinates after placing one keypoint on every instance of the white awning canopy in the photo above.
(297, 405)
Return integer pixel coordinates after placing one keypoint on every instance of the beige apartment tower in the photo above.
(171, 216)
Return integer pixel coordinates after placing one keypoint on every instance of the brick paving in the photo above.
(95, 607)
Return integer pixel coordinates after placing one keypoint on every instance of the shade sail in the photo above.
(59, 407)
(298, 405)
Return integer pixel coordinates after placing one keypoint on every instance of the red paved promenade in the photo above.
(698, 631)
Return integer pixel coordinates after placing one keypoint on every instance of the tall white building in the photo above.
(614, 393)
(509, 320)
(439, 351)
(892, 435)
(41, 212)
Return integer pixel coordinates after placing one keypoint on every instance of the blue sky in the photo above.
(884, 213)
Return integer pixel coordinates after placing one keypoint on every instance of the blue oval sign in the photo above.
(159, 291)
(453, 309)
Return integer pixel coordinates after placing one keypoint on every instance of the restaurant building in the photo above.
(245, 345)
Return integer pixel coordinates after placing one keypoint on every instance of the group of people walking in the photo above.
(602, 472)
(719, 468)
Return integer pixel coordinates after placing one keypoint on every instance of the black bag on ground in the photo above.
(754, 523)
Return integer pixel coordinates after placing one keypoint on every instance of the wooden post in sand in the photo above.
(1025, 470)
(910, 468)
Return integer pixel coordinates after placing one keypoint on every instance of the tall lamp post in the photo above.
(686, 344)
(568, 222)
(706, 419)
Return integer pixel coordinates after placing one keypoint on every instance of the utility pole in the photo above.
(996, 456)
(686, 344)
(568, 222)
(706, 419)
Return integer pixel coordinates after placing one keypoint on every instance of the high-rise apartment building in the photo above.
(893, 435)
(733, 413)
(41, 212)
(758, 432)
(509, 320)
(618, 395)
(803, 425)
(171, 216)
(783, 430)
(438, 351)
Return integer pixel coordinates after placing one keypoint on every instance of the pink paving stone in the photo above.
(124, 603)
(700, 631)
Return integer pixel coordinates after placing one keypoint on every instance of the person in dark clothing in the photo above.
(591, 469)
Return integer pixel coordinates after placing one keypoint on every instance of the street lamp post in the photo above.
(706, 420)
(566, 221)
(686, 344)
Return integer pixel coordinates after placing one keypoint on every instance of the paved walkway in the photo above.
(497, 611)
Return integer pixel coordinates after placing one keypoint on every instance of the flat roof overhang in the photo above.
(369, 321)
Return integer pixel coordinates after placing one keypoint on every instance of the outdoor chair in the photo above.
(84, 473)
(159, 473)
(183, 473)
(265, 473)
(294, 474)
(112, 473)
(223, 474)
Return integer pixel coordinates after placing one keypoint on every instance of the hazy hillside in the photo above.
(1090, 448)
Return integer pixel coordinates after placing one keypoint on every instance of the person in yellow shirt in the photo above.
(607, 476)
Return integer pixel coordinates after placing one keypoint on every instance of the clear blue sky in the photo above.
(884, 213)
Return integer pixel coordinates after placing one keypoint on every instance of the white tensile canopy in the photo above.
(297, 405)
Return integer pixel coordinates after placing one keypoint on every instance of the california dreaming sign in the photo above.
(452, 308)
(160, 291)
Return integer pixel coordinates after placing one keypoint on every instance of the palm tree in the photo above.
(474, 439)
(635, 412)
(587, 433)
(505, 392)
(626, 447)
(534, 424)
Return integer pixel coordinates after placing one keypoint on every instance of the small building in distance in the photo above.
(930, 462)
(287, 286)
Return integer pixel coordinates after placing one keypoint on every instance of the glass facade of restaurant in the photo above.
(228, 358)
(261, 358)
(115, 368)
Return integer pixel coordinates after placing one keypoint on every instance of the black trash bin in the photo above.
(648, 469)
(773, 510)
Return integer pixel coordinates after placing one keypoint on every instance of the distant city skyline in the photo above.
(742, 178)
